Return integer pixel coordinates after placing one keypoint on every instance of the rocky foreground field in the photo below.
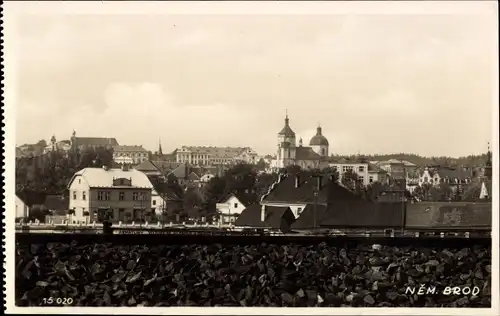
(251, 275)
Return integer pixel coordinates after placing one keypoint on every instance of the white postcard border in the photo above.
(12, 9)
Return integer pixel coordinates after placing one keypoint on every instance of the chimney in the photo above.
(262, 213)
(319, 184)
(297, 180)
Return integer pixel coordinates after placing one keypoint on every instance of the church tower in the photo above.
(160, 151)
(286, 145)
(488, 167)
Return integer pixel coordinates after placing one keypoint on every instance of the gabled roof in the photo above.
(101, 178)
(306, 153)
(251, 216)
(362, 214)
(450, 173)
(166, 166)
(243, 198)
(284, 191)
(193, 177)
(180, 172)
(164, 190)
(146, 166)
(306, 219)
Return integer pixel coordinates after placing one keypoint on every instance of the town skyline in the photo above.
(227, 81)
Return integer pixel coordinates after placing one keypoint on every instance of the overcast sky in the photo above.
(376, 83)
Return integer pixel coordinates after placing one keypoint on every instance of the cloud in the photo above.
(373, 81)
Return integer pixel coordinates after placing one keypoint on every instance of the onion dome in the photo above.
(318, 139)
(287, 131)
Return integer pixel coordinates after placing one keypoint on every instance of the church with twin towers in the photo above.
(307, 157)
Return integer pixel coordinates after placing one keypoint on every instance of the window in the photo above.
(361, 168)
(235, 205)
(103, 195)
(74, 195)
(426, 179)
(361, 179)
(84, 195)
(154, 202)
(121, 196)
(299, 210)
(79, 181)
(346, 168)
(135, 196)
(142, 196)
(371, 179)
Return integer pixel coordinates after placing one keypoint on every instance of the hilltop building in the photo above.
(289, 153)
(204, 155)
(129, 154)
(92, 142)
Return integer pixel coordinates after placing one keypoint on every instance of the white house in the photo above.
(22, 210)
(123, 194)
(359, 168)
(231, 207)
(206, 177)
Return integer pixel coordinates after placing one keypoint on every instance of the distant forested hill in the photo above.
(472, 160)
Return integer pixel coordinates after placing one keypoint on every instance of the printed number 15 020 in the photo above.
(57, 300)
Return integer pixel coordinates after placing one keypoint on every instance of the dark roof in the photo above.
(31, 198)
(114, 165)
(146, 166)
(306, 218)
(375, 168)
(94, 141)
(458, 173)
(286, 130)
(180, 171)
(358, 214)
(165, 190)
(57, 203)
(285, 190)
(318, 139)
(193, 177)
(306, 153)
(251, 216)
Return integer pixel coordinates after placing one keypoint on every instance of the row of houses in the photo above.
(304, 202)
(142, 194)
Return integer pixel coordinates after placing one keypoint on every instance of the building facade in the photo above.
(208, 155)
(129, 154)
(92, 142)
(117, 194)
(230, 208)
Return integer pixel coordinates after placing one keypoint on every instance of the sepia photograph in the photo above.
(177, 157)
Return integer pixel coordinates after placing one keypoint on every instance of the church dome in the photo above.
(318, 139)
(287, 131)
